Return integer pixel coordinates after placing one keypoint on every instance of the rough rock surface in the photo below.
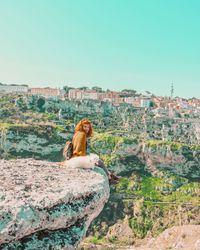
(186, 237)
(38, 142)
(121, 232)
(44, 206)
(178, 237)
(184, 161)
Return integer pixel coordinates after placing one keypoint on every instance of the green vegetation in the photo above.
(11, 125)
(174, 145)
(155, 189)
(106, 145)
(155, 197)
(149, 188)
(140, 226)
(97, 241)
(127, 185)
(186, 194)
(107, 138)
(151, 203)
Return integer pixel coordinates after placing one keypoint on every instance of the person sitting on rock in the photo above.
(83, 131)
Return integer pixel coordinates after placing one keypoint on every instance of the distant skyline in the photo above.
(138, 44)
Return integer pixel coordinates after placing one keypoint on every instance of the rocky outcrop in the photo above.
(44, 206)
(157, 157)
(179, 159)
(32, 141)
(121, 232)
(186, 237)
(179, 237)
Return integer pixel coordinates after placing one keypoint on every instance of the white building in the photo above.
(135, 101)
(13, 88)
(129, 100)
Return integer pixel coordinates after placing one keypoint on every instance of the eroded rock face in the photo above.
(44, 206)
(178, 237)
(38, 142)
(183, 161)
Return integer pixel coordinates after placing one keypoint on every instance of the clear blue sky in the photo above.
(115, 44)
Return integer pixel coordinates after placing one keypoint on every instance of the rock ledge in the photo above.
(43, 206)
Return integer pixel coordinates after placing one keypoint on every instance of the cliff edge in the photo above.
(43, 206)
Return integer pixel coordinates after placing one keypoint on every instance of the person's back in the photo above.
(79, 144)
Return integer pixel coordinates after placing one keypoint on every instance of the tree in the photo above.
(84, 88)
(40, 104)
(128, 93)
(67, 88)
(152, 104)
(97, 89)
(132, 91)
(20, 102)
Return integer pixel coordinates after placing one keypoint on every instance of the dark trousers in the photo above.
(102, 165)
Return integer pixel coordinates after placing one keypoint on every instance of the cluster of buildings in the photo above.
(13, 88)
(77, 94)
(111, 96)
(116, 98)
(47, 92)
(24, 89)
(176, 103)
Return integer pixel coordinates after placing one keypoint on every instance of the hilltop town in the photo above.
(160, 104)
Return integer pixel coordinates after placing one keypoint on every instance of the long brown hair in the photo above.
(79, 127)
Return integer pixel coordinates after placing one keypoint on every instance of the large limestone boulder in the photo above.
(44, 206)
